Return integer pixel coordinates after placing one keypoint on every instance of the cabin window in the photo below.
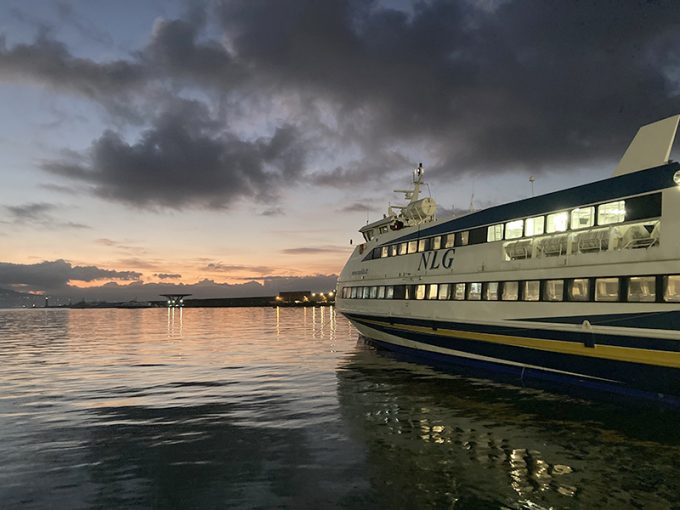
(642, 289)
(491, 291)
(444, 289)
(557, 222)
(420, 292)
(671, 285)
(373, 293)
(510, 291)
(432, 290)
(399, 292)
(393, 250)
(495, 233)
(646, 206)
(579, 289)
(354, 293)
(385, 252)
(375, 254)
(413, 246)
(474, 291)
(478, 235)
(583, 217)
(613, 212)
(531, 290)
(383, 230)
(436, 243)
(459, 292)
(553, 290)
(534, 226)
(514, 229)
(607, 289)
(389, 292)
(462, 239)
(422, 245)
(381, 292)
(403, 248)
(449, 240)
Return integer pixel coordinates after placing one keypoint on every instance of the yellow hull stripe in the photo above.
(611, 352)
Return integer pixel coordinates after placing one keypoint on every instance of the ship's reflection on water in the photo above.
(437, 439)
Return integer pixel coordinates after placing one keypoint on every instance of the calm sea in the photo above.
(285, 408)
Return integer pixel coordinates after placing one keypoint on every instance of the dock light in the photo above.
(676, 178)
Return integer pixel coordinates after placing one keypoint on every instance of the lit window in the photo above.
(607, 289)
(374, 293)
(420, 291)
(510, 291)
(583, 217)
(672, 286)
(364, 293)
(389, 292)
(532, 290)
(448, 240)
(491, 292)
(422, 245)
(384, 252)
(534, 226)
(432, 291)
(381, 292)
(443, 291)
(459, 292)
(553, 290)
(513, 229)
(409, 291)
(436, 242)
(579, 290)
(402, 248)
(642, 289)
(557, 222)
(393, 250)
(463, 239)
(613, 212)
(494, 233)
(413, 246)
(354, 293)
(474, 291)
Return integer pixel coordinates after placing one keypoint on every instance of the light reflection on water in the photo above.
(264, 407)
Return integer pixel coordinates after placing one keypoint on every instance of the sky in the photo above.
(234, 147)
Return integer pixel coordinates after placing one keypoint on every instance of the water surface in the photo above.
(285, 408)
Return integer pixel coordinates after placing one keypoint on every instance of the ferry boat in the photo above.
(579, 286)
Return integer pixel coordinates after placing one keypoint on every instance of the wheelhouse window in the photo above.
(474, 291)
(432, 290)
(642, 289)
(671, 285)
(579, 289)
(510, 291)
(420, 292)
(553, 290)
(494, 233)
(436, 243)
(514, 229)
(491, 291)
(459, 292)
(462, 239)
(613, 212)
(583, 217)
(422, 245)
(534, 226)
(531, 290)
(413, 246)
(368, 235)
(389, 292)
(607, 289)
(403, 248)
(444, 289)
(557, 222)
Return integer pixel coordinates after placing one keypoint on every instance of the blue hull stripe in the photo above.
(645, 320)
(645, 181)
(643, 376)
(656, 344)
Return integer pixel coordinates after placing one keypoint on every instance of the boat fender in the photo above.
(587, 334)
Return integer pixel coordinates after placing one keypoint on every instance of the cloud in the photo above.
(361, 207)
(219, 267)
(273, 211)
(187, 159)
(55, 275)
(307, 250)
(168, 276)
(39, 214)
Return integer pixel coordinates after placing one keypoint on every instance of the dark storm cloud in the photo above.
(51, 275)
(188, 159)
(462, 85)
